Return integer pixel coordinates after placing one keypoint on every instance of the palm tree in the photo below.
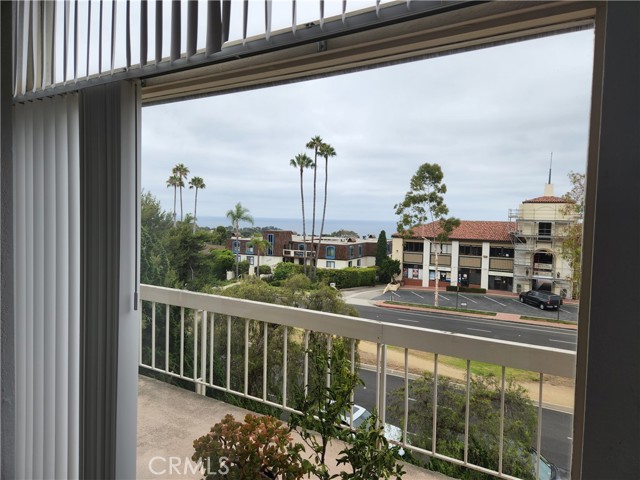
(174, 181)
(302, 161)
(314, 144)
(259, 245)
(197, 183)
(236, 215)
(181, 171)
(325, 151)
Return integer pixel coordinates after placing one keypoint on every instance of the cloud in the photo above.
(490, 118)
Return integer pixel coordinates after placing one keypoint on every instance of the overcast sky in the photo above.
(490, 118)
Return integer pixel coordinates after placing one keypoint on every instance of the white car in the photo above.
(361, 414)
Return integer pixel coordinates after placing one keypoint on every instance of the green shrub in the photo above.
(261, 447)
(348, 277)
(284, 270)
(264, 270)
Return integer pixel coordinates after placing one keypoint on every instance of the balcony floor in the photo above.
(171, 418)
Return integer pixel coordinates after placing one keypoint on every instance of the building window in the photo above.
(350, 264)
(330, 252)
(501, 252)
(301, 246)
(359, 250)
(414, 247)
(471, 250)
(331, 264)
(445, 248)
(270, 239)
(250, 260)
(350, 252)
(388, 248)
(358, 263)
(235, 246)
(544, 229)
(248, 249)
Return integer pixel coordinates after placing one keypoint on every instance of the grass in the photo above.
(549, 320)
(476, 368)
(451, 309)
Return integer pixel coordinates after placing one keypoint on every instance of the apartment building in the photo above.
(287, 246)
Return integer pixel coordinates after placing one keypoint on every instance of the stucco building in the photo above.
(287, 246)
(517, 255)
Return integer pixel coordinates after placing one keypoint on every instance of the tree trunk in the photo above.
(304, 228)
(435, 295)
(175, 194)
(195, 209)
(324, 211)
(181, 216)
(313, 218)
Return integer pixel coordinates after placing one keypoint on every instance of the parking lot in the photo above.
(489, 303)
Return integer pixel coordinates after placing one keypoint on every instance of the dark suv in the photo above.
(541, 300)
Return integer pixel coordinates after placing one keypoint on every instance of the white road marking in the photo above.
(442, 296)
(489, 298)
(470, 299)
(394, 293)
(478, 330)
(417, 294)
(562, 341)
(407, 320)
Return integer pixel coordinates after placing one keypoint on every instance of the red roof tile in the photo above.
(470, 230)
(548, 200)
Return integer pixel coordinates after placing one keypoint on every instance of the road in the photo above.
(489, 303)
(480, 327)
(556, 425)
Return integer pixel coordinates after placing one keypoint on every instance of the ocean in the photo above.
(362, 227)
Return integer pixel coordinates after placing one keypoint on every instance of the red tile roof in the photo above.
(548, 200)
(470, 230)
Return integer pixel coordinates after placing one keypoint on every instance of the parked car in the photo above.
(391, 432)
(542, 300)
(548, 471)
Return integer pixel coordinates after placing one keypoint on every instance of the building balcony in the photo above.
(298, 253)
(229, 348)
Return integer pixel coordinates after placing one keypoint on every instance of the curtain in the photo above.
(47, 291)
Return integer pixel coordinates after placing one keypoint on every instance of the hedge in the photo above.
(452, 288)
(348, 277)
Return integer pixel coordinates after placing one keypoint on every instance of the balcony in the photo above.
(223, 346)
(298, 253)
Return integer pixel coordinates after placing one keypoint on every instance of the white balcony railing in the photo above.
(200, 316)
(297, 253)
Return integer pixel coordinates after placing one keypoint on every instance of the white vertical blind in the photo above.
(46, 199)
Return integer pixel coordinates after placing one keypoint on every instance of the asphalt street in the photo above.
(481, 327)
(489, 303)
(556, 425)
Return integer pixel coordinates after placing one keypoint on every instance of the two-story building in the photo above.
(287, 246)
(478, 254)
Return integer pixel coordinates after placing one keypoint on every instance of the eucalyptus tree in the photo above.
(198, 184)
(301, 162)
(181, 171)
(174, 181)
(236, 215)
(314, 144)
(423, 203)
(324, 151)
